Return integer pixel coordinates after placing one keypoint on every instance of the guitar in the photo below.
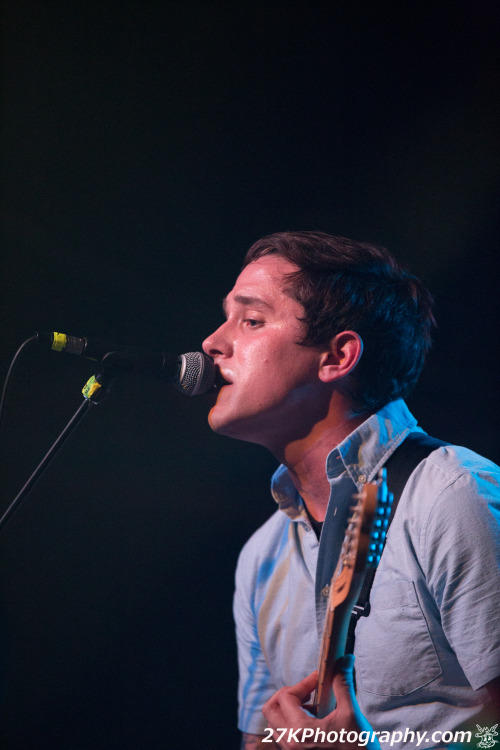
(361, 549)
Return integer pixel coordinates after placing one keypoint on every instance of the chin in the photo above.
(217, 422)
(221, 426)
(236, 429)
(226, 425)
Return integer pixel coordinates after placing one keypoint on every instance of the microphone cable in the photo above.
(9, 377)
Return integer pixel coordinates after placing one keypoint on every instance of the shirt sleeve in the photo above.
(461, 543)
(255, 684)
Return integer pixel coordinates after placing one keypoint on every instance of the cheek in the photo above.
(274, 363)
(256, 359)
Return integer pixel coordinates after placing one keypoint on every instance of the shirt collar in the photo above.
(361, 454)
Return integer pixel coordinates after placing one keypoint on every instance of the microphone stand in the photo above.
(94, 391)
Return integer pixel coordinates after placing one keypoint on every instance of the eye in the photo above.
(252, 322)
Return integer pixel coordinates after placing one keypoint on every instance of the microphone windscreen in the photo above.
(197, 373)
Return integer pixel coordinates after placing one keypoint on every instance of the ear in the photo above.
(342, 356)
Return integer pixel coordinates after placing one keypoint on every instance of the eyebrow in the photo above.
(249, 302)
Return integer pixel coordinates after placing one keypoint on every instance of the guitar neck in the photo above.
(362, 547)
(332, 648)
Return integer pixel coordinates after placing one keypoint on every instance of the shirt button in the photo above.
(325, 590)
(306, 527)
(362, 478)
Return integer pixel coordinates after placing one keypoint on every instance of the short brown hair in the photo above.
(348, 285)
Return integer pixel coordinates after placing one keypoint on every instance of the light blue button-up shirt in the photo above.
(432, 638)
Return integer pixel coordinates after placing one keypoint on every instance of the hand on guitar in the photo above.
(285, 710)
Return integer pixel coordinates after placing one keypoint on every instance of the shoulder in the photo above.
(457, 458)
(452, 501)
(454, 474)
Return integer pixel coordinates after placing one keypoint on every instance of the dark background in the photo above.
(145, 146)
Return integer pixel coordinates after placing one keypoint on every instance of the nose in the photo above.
(218, 343)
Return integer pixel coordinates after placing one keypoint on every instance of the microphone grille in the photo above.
(197, 374)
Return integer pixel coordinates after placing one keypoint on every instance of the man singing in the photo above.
(324, 337)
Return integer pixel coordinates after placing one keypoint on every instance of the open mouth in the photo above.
(220, 382)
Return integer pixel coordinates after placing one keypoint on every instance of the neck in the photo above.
(305, 458)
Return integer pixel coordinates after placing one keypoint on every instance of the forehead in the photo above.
(263, 278)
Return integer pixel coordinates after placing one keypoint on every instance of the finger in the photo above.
(285, 706)
(286, 703)
(273, 713)
(288, 712)
(293, 712)
(304, 687)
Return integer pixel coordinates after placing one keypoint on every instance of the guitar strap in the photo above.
(400, 466)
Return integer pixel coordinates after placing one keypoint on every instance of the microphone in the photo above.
(192, 373)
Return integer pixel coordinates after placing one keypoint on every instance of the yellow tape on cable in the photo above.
(91, 388)
(59, 341)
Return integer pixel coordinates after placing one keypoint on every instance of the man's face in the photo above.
(272, 390)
